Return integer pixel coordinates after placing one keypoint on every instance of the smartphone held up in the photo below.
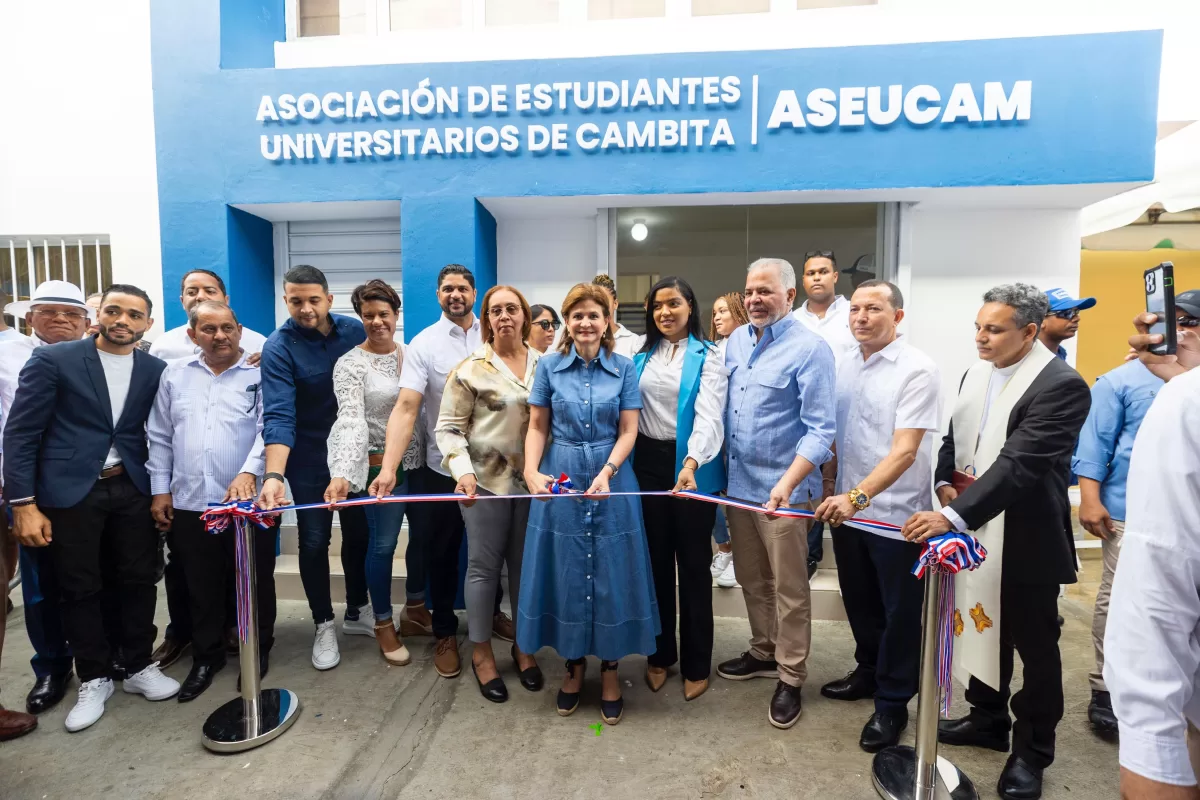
(1160, 301)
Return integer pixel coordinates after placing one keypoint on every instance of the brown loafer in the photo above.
(504, 628)
(15, 723)
(693, 689)
(390, 646)
(169, 652)
(445, 658)
(656, 677)
(415, 620)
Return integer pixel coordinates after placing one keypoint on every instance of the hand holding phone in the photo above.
(1160, 301)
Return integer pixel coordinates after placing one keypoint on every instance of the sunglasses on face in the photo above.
(548, 324)
(1069, 314)
(818, 254)
(1188, 322)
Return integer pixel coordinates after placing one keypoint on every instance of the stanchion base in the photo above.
(894, 773)
(226, 730)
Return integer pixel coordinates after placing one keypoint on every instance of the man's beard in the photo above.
(457, 314)
(137, 337)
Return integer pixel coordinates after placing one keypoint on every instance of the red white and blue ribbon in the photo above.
(242, 513)
(946, 556)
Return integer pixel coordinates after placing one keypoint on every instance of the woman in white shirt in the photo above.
(728, 314)
(680, 432)
(366, 381)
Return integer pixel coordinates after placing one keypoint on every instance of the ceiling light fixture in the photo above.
(639, 231)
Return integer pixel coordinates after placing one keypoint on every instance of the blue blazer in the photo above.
(710, 478)
(60, 427)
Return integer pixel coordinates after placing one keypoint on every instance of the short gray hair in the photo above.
(786, 273)
(208, 305)
(1029, 303)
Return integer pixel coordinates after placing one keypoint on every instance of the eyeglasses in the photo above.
(1188, 322)
(496, 312)
(49, 314)
(548, 324)
(1069, 314)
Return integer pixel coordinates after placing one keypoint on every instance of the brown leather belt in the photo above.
(113, 471)
(375, 459)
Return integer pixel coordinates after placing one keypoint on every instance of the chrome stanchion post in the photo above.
(905, 773)
(259, 715)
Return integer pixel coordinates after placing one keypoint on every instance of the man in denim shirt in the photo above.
(299, 409)
(1120, 400)
(780, 426)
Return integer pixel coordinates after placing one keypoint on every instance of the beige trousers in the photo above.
(770, 560)
(1111, 548)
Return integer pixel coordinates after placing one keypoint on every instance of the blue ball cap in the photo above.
(1061, 300)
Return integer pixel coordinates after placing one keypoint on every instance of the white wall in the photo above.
(545, 257)
(958, 255)
(77, 146)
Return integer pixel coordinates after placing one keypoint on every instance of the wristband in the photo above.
(274, 475)
(24, 501)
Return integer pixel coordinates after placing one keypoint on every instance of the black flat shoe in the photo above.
(857, 685)
(47, 692)
(493, 690)
(746, 666)
(569, 701)
(197, 681)
(882, 730)
(1020, 780)
(785, 706)
(264, 666)
(970, 731)
(1101, 716)
(611, 710)
(531, 679)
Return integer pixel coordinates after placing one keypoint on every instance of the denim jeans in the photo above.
(721, 527)
(383, 523)
(315, 527)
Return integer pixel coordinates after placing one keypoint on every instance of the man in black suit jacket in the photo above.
(1026, 482)
(75, 476)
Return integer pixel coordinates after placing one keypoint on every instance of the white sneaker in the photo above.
(726, 579)
(90, 706)
(325, 653)
(152, 684)
(720, 562)
(363, 626)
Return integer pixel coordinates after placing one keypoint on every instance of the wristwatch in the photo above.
(859, 498)
(274, 475)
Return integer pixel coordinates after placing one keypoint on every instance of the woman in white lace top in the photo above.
(366, 381)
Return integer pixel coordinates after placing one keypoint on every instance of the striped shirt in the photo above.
(204, 429)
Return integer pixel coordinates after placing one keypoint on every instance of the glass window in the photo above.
(519, 12)
(707, 8)
(626, 9)
(24, 263)
(411, 15)
(319, 18)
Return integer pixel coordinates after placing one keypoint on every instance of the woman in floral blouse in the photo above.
(366, 381)
(481, 430)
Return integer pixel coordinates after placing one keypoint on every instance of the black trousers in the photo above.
(1028, 624)
(314, 528)
(110, 526)
(441, 528)
(883, 604)
(208, 562)
(679, 533)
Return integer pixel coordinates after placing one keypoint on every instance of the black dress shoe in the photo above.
(531, 679)
(858, 684)
(813, 566)
(882, 730)
(169, 652)
(264, 666)
(746, 666)
(1100, 714)
(197, 681)
(493, 690)
(46, 693)
(785, 706)
(1020, 780)
(971, 731)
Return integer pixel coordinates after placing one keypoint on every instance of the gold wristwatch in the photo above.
(859, 498)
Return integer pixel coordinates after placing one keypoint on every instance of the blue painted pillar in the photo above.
(251, 278)
(434, 232)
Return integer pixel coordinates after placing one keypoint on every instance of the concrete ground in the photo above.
(371, 731)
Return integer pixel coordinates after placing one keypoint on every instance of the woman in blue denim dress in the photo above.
(586, 584)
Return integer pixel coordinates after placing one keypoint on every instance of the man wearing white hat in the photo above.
(57, 313)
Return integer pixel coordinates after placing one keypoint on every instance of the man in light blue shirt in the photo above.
(206, 446)
(1120, 400)
(780, 427)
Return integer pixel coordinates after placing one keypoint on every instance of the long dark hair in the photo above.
(653, 334)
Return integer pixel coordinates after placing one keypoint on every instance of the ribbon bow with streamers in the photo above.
(562, 486)
(947, 555)
(243, 512)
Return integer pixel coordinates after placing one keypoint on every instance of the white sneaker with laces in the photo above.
(90, 706)
(726, 579)
(151, 684)
(325, 653)
(363, 626)
(720, 562)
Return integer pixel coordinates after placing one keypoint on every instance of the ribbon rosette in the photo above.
(562, 486)
(947, 555)
(217, 517)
